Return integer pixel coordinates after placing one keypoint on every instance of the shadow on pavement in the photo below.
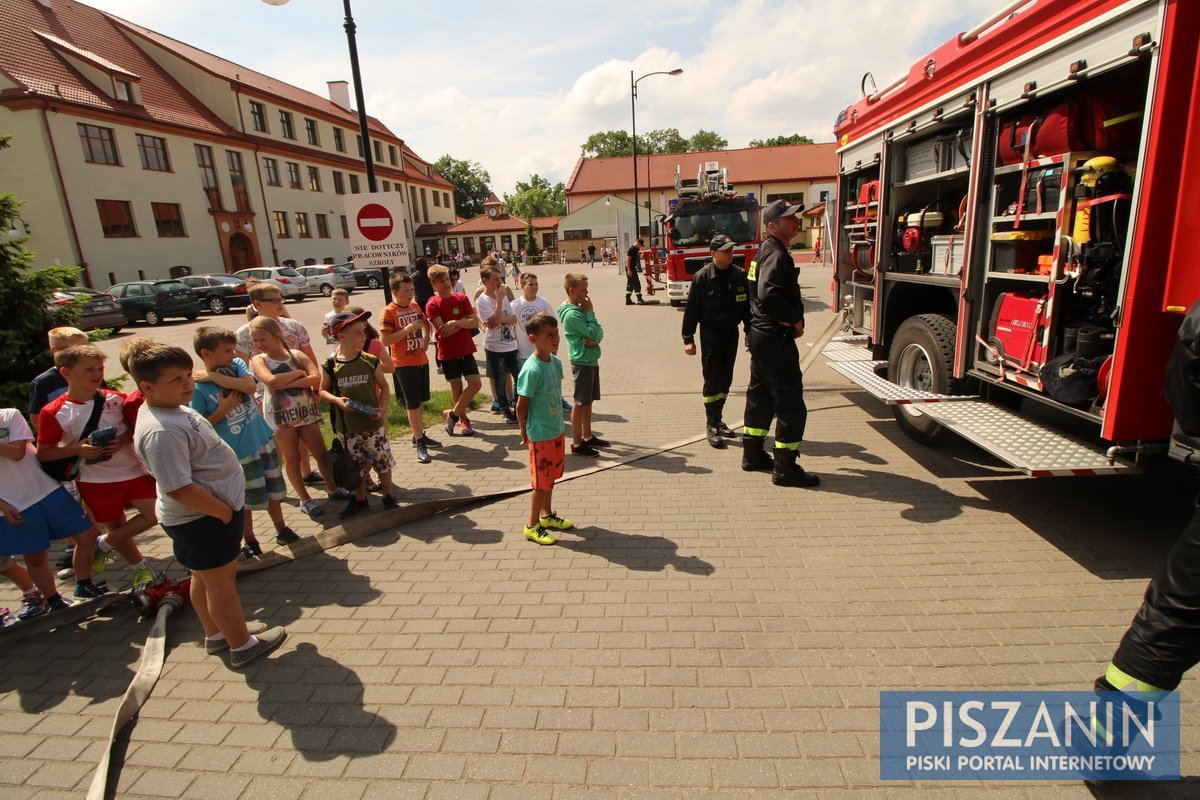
(316, 581)
(634, 551)
(661, 462)
(1117, 527)
(818, 449)
(458, 526)
(1186, 788)
(927, 502)
(500, 455)
(95, 661)
(320, 702)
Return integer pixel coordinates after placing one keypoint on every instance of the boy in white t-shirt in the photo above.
(495, 314)
(525, 306)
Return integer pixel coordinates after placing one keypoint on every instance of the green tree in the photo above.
(23, 296)
(471, 184)
(779, 141)
(703, 140)
(609, 144)
(666, 140)
(531, 245)
(537, 197)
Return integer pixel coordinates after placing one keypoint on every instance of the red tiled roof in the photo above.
(433, 177)
(34, 63)
(500, 223)
(746, 166)
(433, 229)
(252, 80)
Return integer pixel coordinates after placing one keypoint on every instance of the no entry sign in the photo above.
(377, 236)
(374, 222)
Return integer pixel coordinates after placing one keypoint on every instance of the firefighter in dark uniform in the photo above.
(719, 301)
(776, 387)
(633, 265)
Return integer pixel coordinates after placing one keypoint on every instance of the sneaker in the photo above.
(584, 450)
(64, 573)
(57, 603)
(539, 534)
(555, 522)
(312, 507)
(510, 418)
(596, 441)
(100, 560)
(251, 549)
(142, 577)
(220, 646)
(451, 420)
(341, 494)
(86, 590)
(286, 535)
(32, 605)
(467, 428)
(425, 440)
(495, 406)
(352, 508)
(566, 406)
(268, 640)
(422, 453)
(65, 565)
(389, 502)
(314, 478)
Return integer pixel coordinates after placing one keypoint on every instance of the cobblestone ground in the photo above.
(702, 634)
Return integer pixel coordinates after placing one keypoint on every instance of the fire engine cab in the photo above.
(1015, 232)
(703, 207)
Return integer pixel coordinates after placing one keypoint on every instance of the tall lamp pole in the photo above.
(637, 219)
(363, 129)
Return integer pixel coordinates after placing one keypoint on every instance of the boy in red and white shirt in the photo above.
(110, 477)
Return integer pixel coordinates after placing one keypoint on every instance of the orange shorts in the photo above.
(546, 463)
(107, 501)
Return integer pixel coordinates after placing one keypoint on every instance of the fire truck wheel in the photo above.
(922, 357)
(677, 304)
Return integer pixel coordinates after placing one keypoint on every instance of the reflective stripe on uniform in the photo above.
(1124, 682)
(787, 446)
(712, 398)
(759, 433)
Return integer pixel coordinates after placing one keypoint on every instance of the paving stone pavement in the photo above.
(702, 634)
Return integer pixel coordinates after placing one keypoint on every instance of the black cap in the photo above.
(780, 208)
(721, 242)
(344, 319)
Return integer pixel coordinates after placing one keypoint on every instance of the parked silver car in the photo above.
(292, 285)
(327, 277)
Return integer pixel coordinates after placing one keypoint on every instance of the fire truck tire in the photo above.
(922, 357)
(677, 303)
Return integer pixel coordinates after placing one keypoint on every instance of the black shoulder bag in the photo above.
(65, 469)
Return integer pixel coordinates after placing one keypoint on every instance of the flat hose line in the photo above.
(154, 652)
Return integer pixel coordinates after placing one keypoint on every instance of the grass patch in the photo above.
(398, 427)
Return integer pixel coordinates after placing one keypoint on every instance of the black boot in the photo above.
(641, 302)
(753, 456)
(785, 471)
(628, 300)
(718, 410)
(711, 432)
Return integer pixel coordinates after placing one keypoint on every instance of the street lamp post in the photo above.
(363, 130)
(637, 219)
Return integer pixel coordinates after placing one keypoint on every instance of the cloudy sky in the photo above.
(519, 85)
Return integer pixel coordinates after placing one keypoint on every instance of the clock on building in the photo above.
(493, 211)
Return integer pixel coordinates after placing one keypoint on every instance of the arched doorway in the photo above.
(241, 252)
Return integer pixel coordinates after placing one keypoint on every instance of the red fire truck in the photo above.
(702, 208)
(1016, 232)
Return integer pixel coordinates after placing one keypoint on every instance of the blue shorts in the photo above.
(55, 516)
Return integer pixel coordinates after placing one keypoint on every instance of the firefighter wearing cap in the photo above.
(633, 260)
(718, 301)
(776, 389)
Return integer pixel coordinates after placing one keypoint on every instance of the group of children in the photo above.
(212, 437)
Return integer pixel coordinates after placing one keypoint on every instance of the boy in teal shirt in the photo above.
(539, 413)
(583, 348)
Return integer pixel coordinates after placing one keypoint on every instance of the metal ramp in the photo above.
(846, 350)
(1034, 448)
(864, 374)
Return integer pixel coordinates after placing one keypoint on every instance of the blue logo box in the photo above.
(1027, 736)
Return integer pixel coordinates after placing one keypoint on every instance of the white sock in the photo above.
(253, 640)
(141, 563)
(216, 637)
(102, 543)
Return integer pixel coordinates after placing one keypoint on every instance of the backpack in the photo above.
(65, 469)
(346, 472)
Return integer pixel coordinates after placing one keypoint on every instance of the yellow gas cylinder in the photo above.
(1088, 173)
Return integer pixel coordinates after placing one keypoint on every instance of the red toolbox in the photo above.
(1018, 330)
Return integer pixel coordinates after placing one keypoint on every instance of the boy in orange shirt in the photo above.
(406, 331)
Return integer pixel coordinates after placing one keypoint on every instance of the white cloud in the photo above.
(502, 85)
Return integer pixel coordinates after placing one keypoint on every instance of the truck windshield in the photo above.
(696, 225)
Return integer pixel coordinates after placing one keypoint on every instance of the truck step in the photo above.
(864, 374)
(1036, 449)
(846, 351)
(854, 338)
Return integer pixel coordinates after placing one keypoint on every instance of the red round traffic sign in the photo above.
(374, 222)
